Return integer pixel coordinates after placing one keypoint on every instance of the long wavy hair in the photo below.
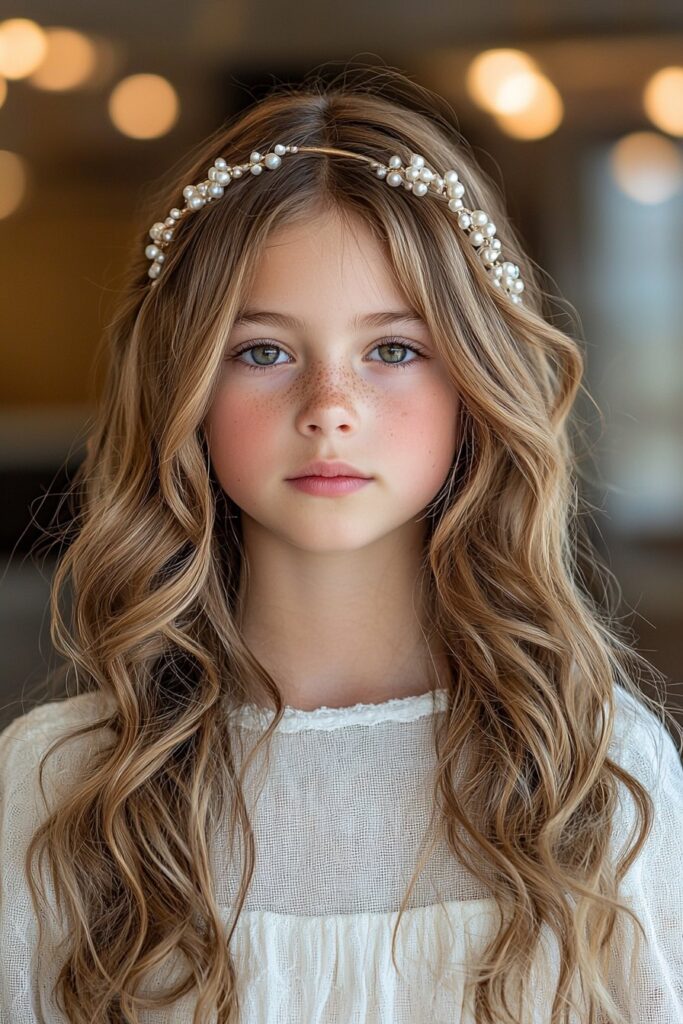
(155, 558)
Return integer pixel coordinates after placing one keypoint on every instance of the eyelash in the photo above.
(393, 342)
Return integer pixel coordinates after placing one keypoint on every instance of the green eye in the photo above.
(395, 343)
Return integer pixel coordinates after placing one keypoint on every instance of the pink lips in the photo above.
(329, 477)
(328, 467)
(329, 485)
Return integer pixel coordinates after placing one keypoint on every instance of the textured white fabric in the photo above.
(338, 819)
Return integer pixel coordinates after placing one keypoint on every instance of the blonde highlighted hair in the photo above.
(156, 559)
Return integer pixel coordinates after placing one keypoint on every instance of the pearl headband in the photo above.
(416, 178)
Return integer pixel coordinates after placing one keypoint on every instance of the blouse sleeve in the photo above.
(28, 971)
(18, 927)
(647, 984)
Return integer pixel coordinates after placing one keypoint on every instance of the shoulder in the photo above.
(47, 721)
(642, 743)
(643, 746)
(29, 736)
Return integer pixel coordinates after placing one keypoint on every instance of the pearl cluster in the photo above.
(416, 178)
(419, 179)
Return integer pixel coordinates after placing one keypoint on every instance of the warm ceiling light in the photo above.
(144, 106)
(663, 100)
(542, 114)
(69, 62)
(647, 167)
(517, 93)
(22, 47)
(491, 71)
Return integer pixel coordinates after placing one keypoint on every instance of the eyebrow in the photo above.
(380, 319)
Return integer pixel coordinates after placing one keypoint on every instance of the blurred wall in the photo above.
(616, 260)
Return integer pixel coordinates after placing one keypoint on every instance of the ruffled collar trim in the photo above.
(397, 709)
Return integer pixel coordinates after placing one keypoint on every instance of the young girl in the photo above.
(351, 742)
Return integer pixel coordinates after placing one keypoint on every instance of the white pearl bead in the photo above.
(457, 190)
(189, 191)
(426, 174)
(511, 269)
(280, 149)
(223, 177)
(237, 172)
(476, 238)
(394, 179)
(216, 190)
(395, 161)
(256, 169)
(464, 220)
(420, 188)
(455, 204)
(196, 202)
(176, 213)
(254, 156)
(412, 173)
(496, 243)
(490, 229)
(272, 161)
(152, 251)
(381, 172)
(167, 236)
(518, 286)
(451, 177)
(479, 218)
(170, 222)
(220, 163)
(154, 270)
(417, 160)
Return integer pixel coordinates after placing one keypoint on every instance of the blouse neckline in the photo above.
(396, 709)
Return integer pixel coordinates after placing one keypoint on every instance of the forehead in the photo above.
(328, 262)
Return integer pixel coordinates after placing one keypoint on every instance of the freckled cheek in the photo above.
(419, 436)
(244, 442)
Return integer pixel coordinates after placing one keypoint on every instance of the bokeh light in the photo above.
(489, 74)
(23, 45)
(663, 100)
(647, 167)
(13, 180)
(69, 61)
(144, 106)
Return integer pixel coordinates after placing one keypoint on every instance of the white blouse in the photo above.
(338, 818)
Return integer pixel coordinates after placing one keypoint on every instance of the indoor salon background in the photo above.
(576, 109)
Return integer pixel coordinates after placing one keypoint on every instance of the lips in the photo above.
(330, 469)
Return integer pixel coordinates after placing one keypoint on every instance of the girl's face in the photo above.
(330, 386)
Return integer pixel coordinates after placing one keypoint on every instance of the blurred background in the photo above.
(576, 110)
